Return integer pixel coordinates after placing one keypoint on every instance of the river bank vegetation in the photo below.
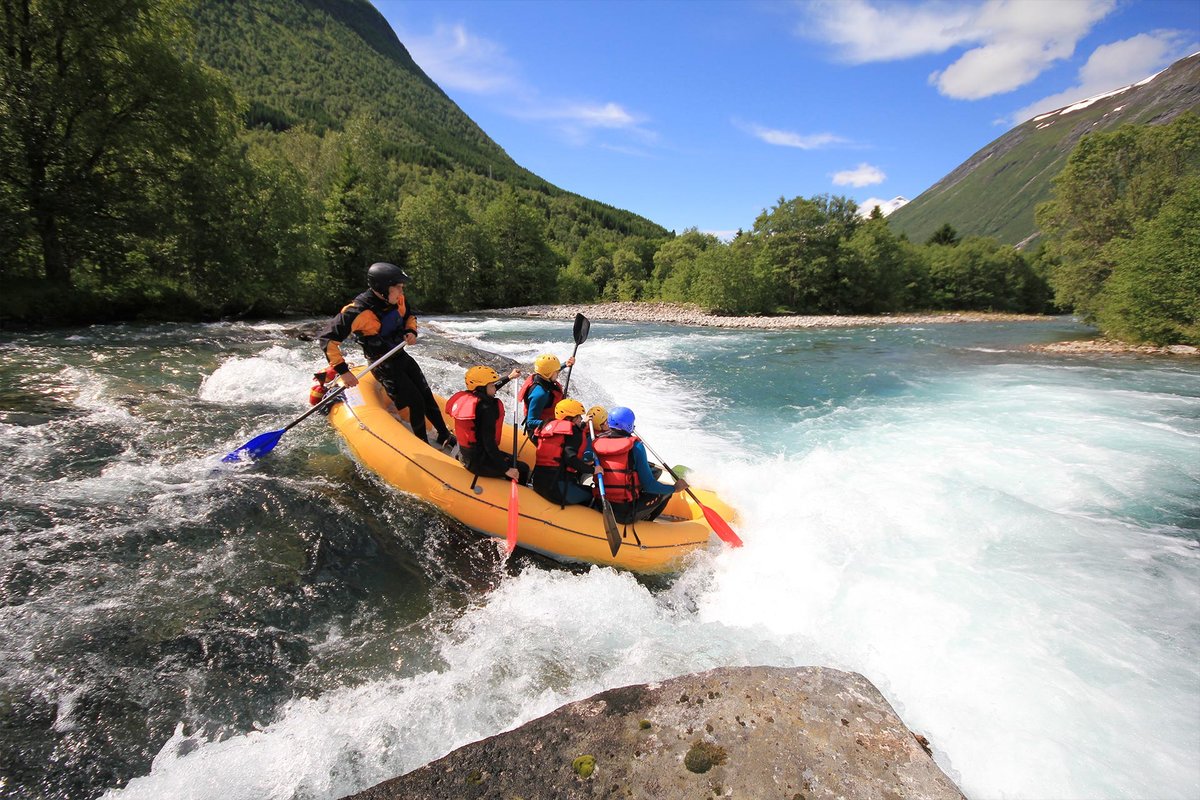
(1123, 229)
(151, 168)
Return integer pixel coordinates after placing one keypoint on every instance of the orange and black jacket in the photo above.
(378, 325)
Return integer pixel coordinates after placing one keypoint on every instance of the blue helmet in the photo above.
(621, 418)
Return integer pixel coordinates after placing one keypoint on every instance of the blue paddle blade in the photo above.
(256, 448)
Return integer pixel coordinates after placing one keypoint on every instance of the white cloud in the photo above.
(580, 123)
(997, 68)
(457, 59)
(864, 32)
(624, 150)
(803, 141)
(609, 115)
(862, 175)
(586, 115)
(1115, 66)
(1008, 42)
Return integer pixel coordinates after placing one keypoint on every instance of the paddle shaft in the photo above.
(514, 513)
(516, 414)
(567, 385)
(719, 525)
(599, 471)
(610, 519)
(341, 389)
(667, 468)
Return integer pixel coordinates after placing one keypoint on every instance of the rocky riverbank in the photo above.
(801, 733)
(675, 314)
(1112, 347)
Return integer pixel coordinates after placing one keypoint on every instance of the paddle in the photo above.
(580, 334)
(514, 513)
(610, 519)
(264, 443)
(719, 526)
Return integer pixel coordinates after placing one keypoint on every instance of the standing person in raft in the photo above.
(479, 422)
(541, 391)
(629, 483)
(560, 465)
(381, 318)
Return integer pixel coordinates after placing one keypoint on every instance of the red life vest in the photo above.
(551, 438)
(461, 406)
(614, 454)
(317, 392)
(556, 394)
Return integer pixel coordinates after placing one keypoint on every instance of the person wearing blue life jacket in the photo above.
(541, 391)
(629, 481)
(380, 318)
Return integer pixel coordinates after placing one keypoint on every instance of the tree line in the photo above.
(135, 182)
(1123, 230)
(812, 255)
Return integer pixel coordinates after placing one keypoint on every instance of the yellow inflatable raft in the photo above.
(387, 447)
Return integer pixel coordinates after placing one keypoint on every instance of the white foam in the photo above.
(277, 376)
(973, 547)
(542, 639)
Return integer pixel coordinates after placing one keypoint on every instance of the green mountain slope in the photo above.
(322, 61)
(995, 191)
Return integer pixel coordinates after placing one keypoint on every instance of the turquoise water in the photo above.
(1006, 543)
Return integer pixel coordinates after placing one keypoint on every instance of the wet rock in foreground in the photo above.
(749, 732)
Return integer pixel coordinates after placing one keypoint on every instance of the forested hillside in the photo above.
(160, 159)
(170, 159)
(320, 63)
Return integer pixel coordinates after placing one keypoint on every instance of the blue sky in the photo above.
(701, 114)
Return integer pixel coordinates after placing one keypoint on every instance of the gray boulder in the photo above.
(748, 732)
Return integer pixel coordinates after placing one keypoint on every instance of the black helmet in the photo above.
(382, 276)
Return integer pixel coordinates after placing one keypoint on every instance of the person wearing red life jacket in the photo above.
(629, 482)
(560, 449)
(541, 391)
(479, 422)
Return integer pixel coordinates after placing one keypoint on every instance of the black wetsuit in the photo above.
(380, 326)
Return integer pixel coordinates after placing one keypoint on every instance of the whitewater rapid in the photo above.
(1007, 550)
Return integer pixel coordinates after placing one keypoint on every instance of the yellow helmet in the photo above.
(480, 376)
(546, 365)
(568, 407)
(599, 416)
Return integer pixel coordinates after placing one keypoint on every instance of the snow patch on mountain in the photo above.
(885, 206)
(1082, 104)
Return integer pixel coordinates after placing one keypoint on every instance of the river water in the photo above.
(1006, 543)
